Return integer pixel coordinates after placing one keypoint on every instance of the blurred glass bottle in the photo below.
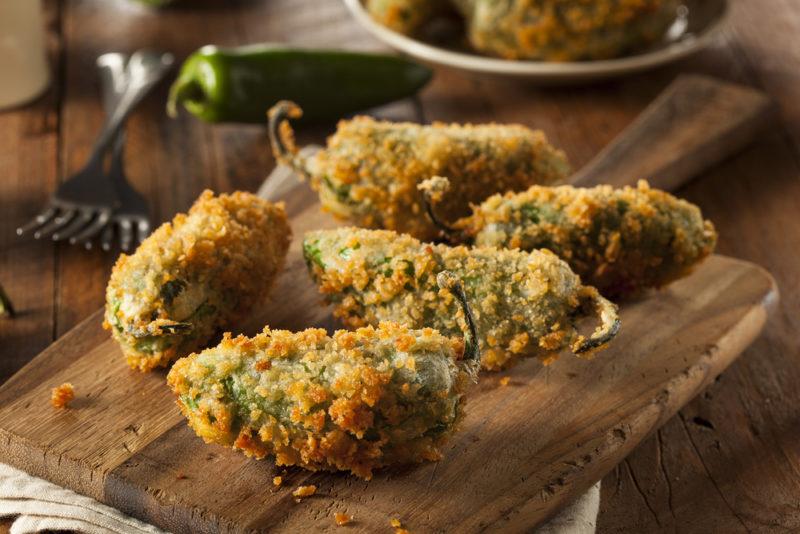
(23, 57)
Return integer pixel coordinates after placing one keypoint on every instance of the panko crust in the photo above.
(565, 30)
(621, 241)
(356, 401)
(525, 303)
(194, 276)
(370, 170)
(405, 16)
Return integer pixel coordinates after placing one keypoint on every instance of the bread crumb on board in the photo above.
(277, 481)
(304, 491)
(505, 380)
(342, 519)
(398, 526)
(62, 395)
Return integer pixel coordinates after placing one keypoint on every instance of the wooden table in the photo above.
(729, 462)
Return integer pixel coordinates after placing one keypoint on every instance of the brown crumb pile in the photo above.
(62, 395)
(342, 519)
(304, 491)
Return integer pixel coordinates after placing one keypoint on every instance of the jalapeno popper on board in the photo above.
(354, 402)
(621, 241)
(525, 303)
(565, 30)
(194, 276)
(369, 172)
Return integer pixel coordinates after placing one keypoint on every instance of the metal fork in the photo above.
(84, 205)
(132, 219)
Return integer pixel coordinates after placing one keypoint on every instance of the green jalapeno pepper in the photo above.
(241, 84)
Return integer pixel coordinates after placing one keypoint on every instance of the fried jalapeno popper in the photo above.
(525, 303)
(622, 241)
(369, 172)
(354, 402)
(405, 16)
(195, 276)
(565, 30)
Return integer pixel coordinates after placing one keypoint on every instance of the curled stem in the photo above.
(432, 191)
(449, 281)
(281, 136)
(607, 312)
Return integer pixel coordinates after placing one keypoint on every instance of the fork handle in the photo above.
(146, 69)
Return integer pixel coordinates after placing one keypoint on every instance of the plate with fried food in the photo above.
(544, 41)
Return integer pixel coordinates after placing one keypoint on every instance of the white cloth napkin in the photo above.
(39, 505)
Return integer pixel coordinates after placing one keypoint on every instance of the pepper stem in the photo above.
(449, 281)
(6, 308)
(432, 191)
(606, 311)
(281, 136)
(184, 89)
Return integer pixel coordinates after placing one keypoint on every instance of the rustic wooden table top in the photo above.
(728, 462)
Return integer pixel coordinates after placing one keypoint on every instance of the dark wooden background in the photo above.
(728, 462)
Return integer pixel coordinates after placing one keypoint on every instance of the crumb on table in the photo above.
(277, 481)
(342, 519)
(62, 395)
(304, 491)
(505, 380)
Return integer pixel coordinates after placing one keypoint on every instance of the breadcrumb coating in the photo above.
(369, 172)
(525, 303)
(194, 276)
(621, 241)
(62, 395)
(356, 401)
(405, 16)
(565, 30)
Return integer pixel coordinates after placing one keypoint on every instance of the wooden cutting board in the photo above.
(525, 448)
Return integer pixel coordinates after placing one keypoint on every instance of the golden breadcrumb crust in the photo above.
(565, 30)
(621, 241)
(370, 170)
(525, 303)
(355, 401)
(193, 276)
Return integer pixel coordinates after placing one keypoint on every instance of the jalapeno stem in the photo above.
(281, 136)
(182, 91)
(606, 311)
(432, 190)
(449, 281)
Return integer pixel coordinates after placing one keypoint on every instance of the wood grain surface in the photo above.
(525, 449)
(728, 462)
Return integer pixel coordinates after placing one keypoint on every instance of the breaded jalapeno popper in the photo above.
(354, 402)
(195, 276)
(405, 16)
(621, 241)
(565, 30)
(525, 303)
(369, 172)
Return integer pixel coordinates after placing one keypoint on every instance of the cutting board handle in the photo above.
(697, 122)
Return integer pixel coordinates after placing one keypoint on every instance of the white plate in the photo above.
(697, 24)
